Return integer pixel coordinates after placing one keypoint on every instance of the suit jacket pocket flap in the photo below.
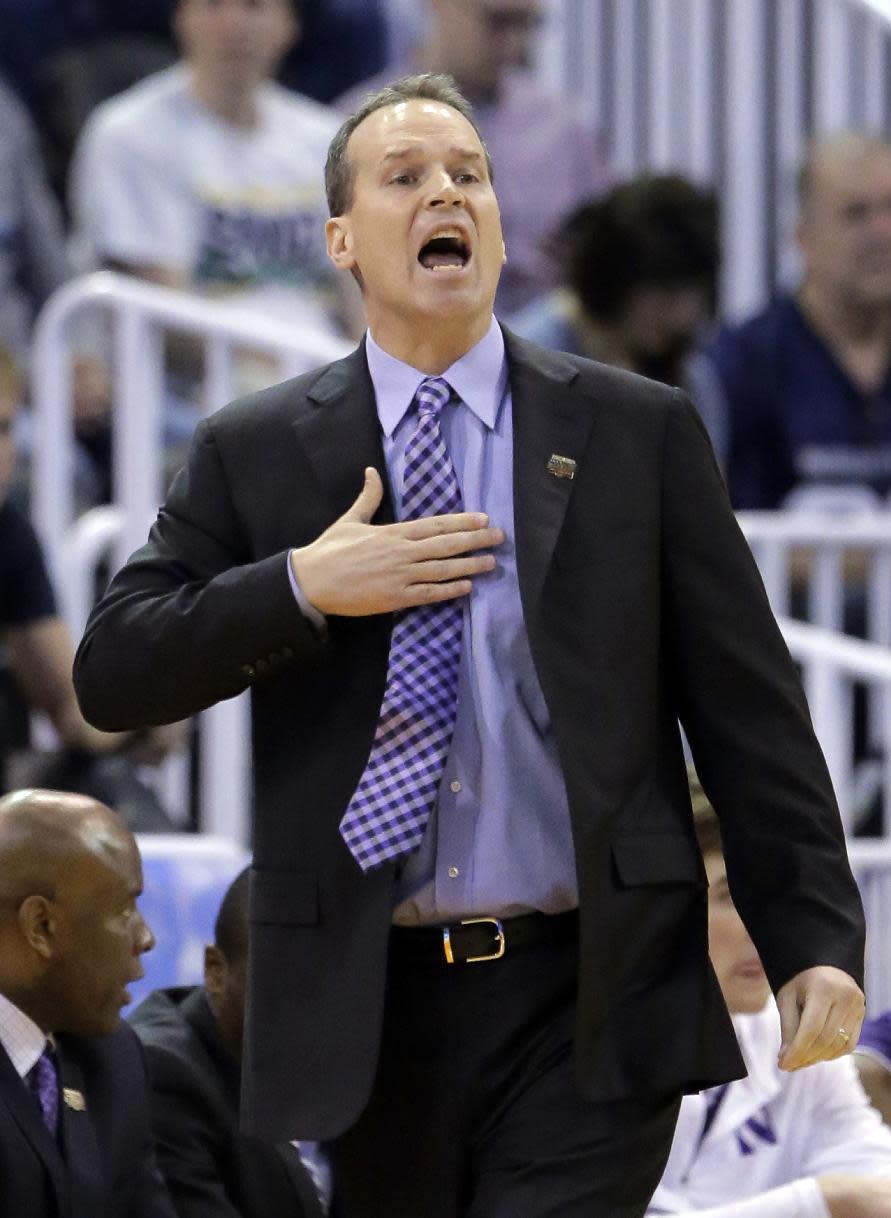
(284, 898)
(657, 858)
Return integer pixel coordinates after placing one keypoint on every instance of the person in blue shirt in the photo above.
(808, 380)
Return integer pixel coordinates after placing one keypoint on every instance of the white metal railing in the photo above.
(140, 314)
(831, 663)
(871, 864)
(827, 536)
(803, 553)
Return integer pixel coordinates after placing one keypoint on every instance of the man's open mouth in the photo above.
(444, 252)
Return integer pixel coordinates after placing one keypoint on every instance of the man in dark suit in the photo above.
(74, 1130)
(478, 947)
(192, 1037)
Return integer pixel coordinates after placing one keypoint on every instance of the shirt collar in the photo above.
(20, 1036)
(479, 378)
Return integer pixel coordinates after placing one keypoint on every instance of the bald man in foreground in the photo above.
(74, 1136)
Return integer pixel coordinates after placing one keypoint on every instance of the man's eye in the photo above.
(403, 179)
(466, 177)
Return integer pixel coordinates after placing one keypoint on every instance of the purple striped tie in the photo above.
(44, 1084)
(388, 813)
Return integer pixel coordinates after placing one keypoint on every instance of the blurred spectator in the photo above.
(208, 176)
(124, 779)
(32, 32)
(640, 267)
(38, 646)
(873, 1058)
(343, 42)
(192, 1038)
(545, 159)
(808, 380)
(775, 1144)
(33, 262)
(39, 652)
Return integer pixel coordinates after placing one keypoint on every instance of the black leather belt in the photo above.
(480, 940)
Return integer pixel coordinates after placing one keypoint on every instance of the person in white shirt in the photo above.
(805, 1144)
(208, 176)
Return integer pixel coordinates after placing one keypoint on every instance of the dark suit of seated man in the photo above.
(74, 1131)
(192, 1038)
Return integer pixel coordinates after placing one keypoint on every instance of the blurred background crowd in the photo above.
(697, 190)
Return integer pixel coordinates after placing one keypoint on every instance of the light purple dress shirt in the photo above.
(499, 840)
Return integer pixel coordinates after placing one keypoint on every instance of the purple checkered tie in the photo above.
(389, 811)
(44, 1084)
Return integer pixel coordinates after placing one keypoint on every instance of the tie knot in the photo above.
(432, 395)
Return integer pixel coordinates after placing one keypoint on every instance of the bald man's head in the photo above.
(845, 226)
(70, 932)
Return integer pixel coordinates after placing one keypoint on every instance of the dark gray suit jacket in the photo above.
(642, 604)
(103, 1165)
(212, 1170)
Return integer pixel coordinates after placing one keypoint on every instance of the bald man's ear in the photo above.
(37, 922)
(339, 239)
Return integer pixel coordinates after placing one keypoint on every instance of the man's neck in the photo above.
(858, 333)
(430, 349)
(843, 320)
(236, 106)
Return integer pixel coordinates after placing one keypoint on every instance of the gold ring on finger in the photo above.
(844, 1034)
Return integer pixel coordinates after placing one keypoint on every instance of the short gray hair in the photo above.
(340, 174)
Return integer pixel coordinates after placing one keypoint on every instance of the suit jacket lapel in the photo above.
(81, 1149)
(546, 423)
(341, 435)
(14, 1094)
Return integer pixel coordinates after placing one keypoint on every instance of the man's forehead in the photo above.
(852, 174)
(412, 122)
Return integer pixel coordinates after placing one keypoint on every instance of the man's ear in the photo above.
(339, 239)
(216, 969)
(38, 924)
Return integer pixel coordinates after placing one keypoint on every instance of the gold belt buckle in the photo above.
(499, 939)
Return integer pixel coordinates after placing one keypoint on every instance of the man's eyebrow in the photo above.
(399, 154)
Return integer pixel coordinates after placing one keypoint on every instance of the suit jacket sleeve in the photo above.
(190, 617)
(189, 1155)
(745, 715)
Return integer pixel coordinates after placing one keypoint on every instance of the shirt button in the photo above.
(453, 873)
(455, 785)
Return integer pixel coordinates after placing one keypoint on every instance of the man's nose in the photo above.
(445, 191)
(145, 937)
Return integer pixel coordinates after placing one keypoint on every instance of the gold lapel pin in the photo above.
(561, 467)
(74, 1099)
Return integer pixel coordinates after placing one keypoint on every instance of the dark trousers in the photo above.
(475, 1113)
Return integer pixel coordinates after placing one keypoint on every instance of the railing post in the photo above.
(52, 492)
(225, 769)
(138, 446)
